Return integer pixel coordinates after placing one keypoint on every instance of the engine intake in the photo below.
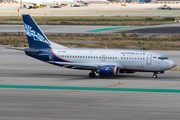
(108, 70)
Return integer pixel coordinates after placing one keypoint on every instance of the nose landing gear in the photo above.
(154, 76)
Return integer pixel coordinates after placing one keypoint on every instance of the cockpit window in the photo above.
(162, 58)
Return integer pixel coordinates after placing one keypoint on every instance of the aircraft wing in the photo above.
(75, 65)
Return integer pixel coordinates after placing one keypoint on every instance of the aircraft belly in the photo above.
(133, 65)
(152, 67)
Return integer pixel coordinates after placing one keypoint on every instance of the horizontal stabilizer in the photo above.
(27, 50)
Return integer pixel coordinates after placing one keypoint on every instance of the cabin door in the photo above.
(149, 59)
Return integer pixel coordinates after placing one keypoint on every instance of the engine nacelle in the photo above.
(108, 70)
(38, 5)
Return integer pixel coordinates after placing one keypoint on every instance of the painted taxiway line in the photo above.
(111, 28)
(115, 85)
(90, 88)
(78, 90)
(67, 109)
(175, 69)
(104, 86)
(71, 92)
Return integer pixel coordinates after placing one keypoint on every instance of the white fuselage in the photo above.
(137, 60)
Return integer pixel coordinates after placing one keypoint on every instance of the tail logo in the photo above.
(36, 36)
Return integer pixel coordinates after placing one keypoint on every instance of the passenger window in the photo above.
(140, 58)
(80, 56)
(115, 57)
(124, 58)
(135, 58)
(99, 57)
(96, 57)
(88, 56)
(127, 58)
(130, 58)
(110, 57)
(75, 56)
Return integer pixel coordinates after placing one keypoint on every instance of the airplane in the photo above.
(105, 62)
(86, 2)
(39, 3)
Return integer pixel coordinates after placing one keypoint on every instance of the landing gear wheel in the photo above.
(92, 75)
(154, 76)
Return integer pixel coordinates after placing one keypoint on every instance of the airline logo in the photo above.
(132, 53)
(36, 36)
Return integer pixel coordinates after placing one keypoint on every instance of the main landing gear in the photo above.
(154, 76)
(92, 75)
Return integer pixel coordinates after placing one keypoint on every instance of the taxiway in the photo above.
(168, 29)
(26, 92)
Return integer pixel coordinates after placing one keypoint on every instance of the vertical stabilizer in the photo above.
(35, 36)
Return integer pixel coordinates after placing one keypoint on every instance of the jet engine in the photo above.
(108, 70)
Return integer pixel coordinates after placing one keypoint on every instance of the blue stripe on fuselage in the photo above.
(44, 55)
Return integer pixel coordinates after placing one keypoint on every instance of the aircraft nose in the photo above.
(172, 64)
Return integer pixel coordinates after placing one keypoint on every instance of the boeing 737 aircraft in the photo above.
(101, 61)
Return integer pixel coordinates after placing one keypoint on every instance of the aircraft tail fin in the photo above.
(36, 38)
